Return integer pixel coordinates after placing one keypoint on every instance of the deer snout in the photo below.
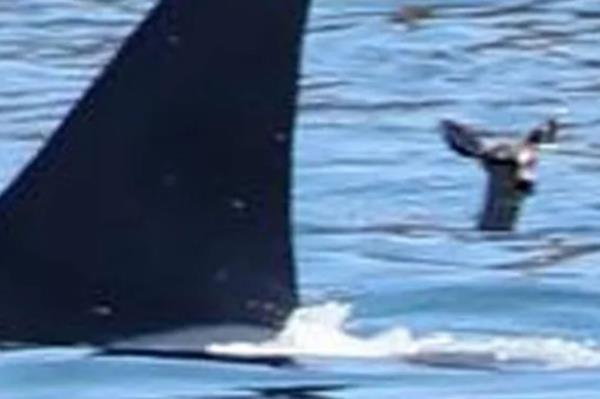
(525, 185)
(526, 169)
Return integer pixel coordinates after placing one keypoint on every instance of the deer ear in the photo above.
(543, 134)
(462, 139)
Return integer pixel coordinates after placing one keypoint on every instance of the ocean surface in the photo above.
(402, 297)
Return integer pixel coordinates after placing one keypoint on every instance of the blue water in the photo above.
(402, 297)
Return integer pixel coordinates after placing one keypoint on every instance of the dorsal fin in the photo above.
(163, 198)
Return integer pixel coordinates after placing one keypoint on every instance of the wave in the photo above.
(320, 331)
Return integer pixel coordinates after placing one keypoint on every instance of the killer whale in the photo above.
(162, 201)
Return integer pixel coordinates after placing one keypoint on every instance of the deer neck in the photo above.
(502, 203)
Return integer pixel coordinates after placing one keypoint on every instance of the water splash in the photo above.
(320, 331)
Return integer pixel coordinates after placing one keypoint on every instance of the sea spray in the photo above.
(321, 331)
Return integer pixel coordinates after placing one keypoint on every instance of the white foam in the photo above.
(320, 331)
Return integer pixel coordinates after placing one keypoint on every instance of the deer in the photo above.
(510, 166)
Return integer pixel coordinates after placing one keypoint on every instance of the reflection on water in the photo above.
(384, 212)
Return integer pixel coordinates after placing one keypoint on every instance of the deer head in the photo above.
(510, 166)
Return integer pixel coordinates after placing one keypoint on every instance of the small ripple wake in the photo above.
(321, 332)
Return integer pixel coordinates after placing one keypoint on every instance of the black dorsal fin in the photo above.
(163, 199)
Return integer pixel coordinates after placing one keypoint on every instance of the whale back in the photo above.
(162, 200)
